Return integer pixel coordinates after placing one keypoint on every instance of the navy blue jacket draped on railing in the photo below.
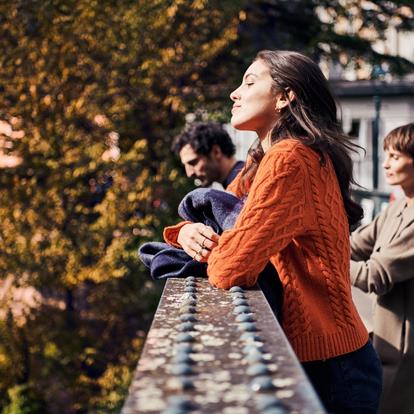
(215, 208)
(219, 210)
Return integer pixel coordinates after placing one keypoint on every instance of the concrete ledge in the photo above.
(216, 351)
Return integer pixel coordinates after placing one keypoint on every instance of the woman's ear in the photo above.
(283, 99)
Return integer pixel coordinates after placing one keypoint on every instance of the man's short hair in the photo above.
(202, 136)
(401, 139)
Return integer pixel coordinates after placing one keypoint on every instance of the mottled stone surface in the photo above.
(218, 361)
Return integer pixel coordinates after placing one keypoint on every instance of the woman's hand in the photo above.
(198, 240)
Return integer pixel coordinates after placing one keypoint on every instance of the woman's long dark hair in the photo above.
(310, 118)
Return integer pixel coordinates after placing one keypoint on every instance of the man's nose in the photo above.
(189, 170)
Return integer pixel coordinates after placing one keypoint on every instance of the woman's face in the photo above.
(399, 169)
(254, 101)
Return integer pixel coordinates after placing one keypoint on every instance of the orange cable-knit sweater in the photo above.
(294, 216)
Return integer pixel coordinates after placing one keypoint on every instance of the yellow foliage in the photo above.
(4, 361)
(132, 197)
(67, 215)
(167, 54)
(51, 350)
(47, 100)
(199, 4)
(172, 10)
(173, 174)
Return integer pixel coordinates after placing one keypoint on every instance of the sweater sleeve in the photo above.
(272, 216)
(171, 233)
(393, 263)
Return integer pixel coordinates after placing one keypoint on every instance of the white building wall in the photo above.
(395, 111)
(397, 43)
(242, 140)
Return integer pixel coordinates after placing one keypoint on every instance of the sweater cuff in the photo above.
(171, 233)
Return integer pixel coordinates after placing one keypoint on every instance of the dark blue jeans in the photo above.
(350, 383)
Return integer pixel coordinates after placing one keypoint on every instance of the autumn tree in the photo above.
(93, 92)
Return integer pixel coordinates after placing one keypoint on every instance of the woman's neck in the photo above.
(266, 140)
(409, 195)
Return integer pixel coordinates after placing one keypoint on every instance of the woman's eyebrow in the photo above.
(250, 75)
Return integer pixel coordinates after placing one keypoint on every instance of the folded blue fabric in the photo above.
(165, 261)
(216, 208)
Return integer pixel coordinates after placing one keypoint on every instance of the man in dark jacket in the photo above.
(207, 153)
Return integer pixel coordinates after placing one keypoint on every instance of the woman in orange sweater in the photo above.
(297, 215)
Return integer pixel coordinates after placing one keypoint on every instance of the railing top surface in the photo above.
(229, 368)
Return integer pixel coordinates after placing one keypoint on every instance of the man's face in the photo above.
(202, 167)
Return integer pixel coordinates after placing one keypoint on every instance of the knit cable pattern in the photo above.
(294, 216)
(331, 243)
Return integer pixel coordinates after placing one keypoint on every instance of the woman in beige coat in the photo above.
(383, 263)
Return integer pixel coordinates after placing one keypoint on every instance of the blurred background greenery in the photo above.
(91, 94)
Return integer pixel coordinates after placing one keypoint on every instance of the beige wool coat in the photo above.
(382, 254)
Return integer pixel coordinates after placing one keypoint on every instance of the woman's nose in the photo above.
(235, 95)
